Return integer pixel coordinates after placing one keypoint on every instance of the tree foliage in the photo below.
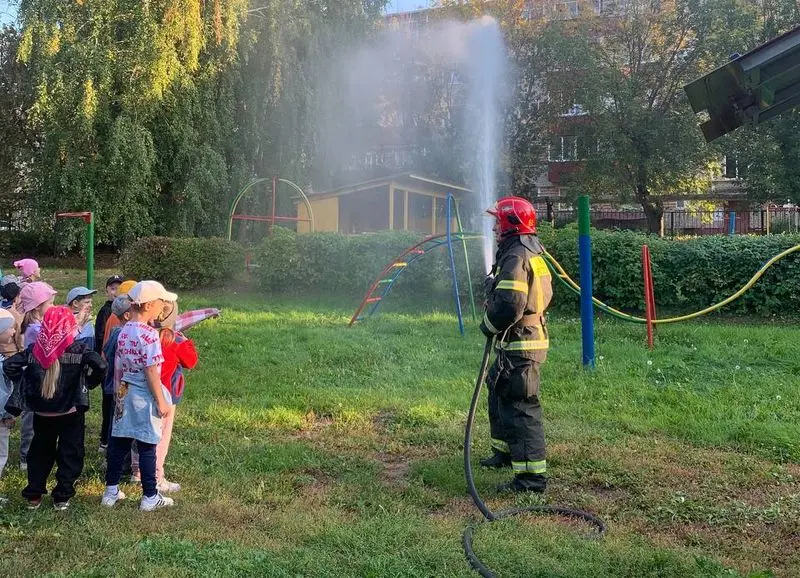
(17, 141)
(153, 113)
(107, 74)
(623, 79)
(768, 156)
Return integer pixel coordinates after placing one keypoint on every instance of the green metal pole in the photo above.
(90, 252)
(466, 262)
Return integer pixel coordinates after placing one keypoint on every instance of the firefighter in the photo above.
(518, 292)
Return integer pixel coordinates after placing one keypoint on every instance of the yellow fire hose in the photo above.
(559, 271)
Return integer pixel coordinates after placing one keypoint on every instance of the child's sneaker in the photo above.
(61, 506)
(167, 487)
(102, 449)
(23, 466)
(111, 498)
(155, 502)
(33, 504)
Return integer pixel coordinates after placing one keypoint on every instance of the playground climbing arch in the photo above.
(273, 217)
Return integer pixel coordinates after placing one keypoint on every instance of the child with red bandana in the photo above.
(52, 376)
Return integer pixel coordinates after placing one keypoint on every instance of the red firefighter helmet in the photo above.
(515, 215)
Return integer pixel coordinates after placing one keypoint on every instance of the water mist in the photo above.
(394, 87)
(487, 71)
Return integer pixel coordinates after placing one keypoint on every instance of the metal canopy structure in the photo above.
(751, 88)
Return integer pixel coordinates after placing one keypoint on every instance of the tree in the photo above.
(107, 73)
(768, 155)
(622, 76)
(16, 140)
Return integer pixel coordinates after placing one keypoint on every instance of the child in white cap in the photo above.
(141, 401)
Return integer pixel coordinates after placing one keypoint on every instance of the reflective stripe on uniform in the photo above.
(510, 285)
(539, 266)
(500, 446)
(526, 345)
(539, 270)
(489, 325)
(539, 467)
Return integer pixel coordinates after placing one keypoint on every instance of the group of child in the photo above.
(51, 356)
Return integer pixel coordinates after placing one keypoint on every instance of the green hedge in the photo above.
(689, 275)
(183, 263)
(347, 264)
(25, 243)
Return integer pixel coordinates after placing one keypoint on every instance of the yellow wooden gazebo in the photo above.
(405, 202)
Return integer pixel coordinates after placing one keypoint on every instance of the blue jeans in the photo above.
(117, 448)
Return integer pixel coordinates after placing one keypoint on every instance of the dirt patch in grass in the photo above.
(314, 480)
(457, 508)
(383, 420)
(394, 470)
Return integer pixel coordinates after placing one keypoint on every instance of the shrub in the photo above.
(25, 243)
(689, 275)
(183, 263)
(347, 264)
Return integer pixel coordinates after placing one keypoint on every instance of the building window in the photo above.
(732, 168)
(533, 10)
(562, 149)
(606, 6)
(569, 8)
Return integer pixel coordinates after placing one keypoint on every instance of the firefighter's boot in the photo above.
(497, 460)
(525, 483)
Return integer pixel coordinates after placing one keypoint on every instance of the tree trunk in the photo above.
(653, 210)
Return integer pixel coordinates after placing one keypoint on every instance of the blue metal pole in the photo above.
(585, 256)
(732, 224)
(453, 266)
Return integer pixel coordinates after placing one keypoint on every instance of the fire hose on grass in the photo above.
(488, 514)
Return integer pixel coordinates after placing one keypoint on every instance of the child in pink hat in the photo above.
(28, 270)
(35, 299)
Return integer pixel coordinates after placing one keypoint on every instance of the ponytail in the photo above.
(30, 317)
(51, 380)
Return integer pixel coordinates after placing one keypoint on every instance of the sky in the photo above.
(7, 13)
(405, 5)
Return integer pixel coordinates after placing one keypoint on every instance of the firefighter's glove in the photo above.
(488, 283)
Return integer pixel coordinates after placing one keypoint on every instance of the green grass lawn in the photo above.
(309, 449)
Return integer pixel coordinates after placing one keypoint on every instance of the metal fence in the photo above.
(678, 223)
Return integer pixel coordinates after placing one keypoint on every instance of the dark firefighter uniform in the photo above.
(520, 294)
